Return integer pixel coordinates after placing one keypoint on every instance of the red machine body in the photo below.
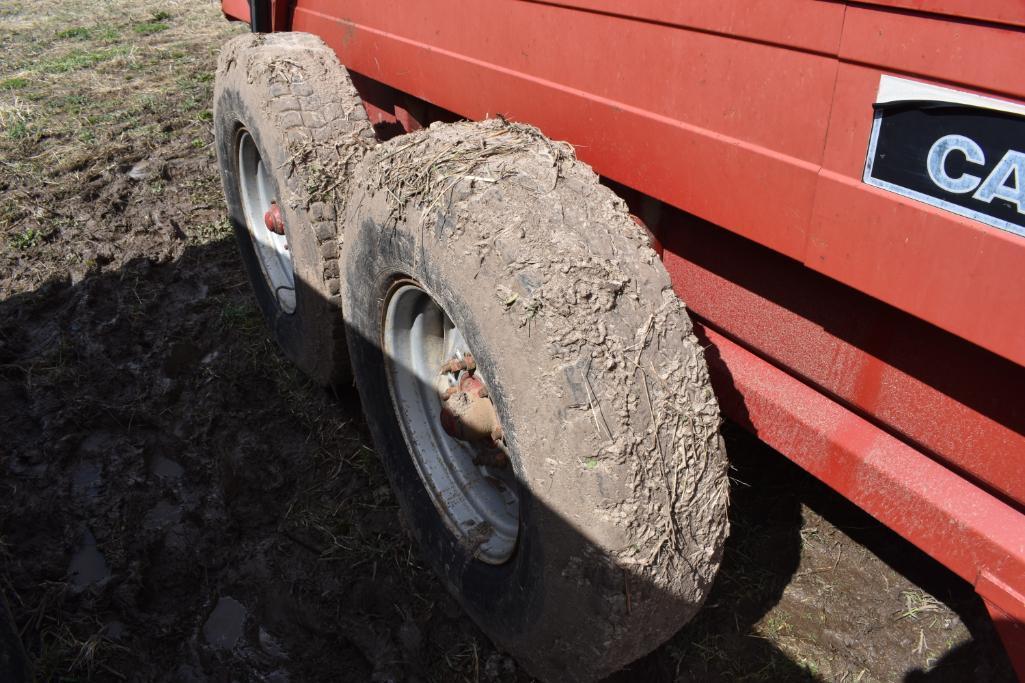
(876, 340)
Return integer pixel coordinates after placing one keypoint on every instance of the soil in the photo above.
(179, 503)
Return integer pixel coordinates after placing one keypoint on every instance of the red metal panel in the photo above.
(951, 398)
(737, 139)
(236, 9)
(807, 25)
(983, 57)
(960, 275)
(966, 529)
(449, 57)
(1000, 11)
(727, 87)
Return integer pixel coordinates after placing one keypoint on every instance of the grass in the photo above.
(27, 239)
(242, 317)
(918, 603)
(147, 28)
(76, 33)
(202, 233)
(14, 83)
(19, 130)
(81, 86)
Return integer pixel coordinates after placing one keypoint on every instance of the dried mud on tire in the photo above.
(596, 375)
(178, 503)
(297, 103)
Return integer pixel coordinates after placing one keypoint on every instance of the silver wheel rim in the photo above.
(478, 503)
(257, 191)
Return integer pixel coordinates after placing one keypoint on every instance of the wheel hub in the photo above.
(264, 222)
(468, 414)
(450, 423)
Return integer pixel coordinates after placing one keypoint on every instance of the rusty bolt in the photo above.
(497, 434)
(273, 219)
(468, 415)
(483, 392)
(469, 362)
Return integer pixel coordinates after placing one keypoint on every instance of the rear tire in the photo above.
(289, 128)
(595, 374)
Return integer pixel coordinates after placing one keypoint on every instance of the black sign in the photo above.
(968, 160)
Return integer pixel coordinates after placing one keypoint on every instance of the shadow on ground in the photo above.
(179, 504)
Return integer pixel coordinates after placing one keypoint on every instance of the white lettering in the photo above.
(995, 185)
(937, 163)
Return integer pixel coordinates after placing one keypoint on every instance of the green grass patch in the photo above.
(243, 317)
(80, 59)
(148, 28)
(19, 130)
(212, 232)
(71, 104)
(161, 15)
(15, 83)
(109, 34)
(75, 33)
(26, 239)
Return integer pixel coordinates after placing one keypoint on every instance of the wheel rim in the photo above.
(477, 502)
(256, 187)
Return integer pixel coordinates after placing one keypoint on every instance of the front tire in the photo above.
(289, 129)
(596, 378)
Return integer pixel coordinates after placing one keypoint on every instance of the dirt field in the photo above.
(177, 503)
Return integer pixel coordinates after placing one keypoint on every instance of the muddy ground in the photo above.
(178, 503)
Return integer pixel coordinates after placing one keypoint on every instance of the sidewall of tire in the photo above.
(553, 603)
(555, 291)
(307, 335)
(507, 597)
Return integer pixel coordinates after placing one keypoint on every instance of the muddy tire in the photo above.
(289, 129)
(596, 377)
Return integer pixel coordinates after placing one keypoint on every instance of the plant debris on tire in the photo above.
(598, 382)
(284, 100)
